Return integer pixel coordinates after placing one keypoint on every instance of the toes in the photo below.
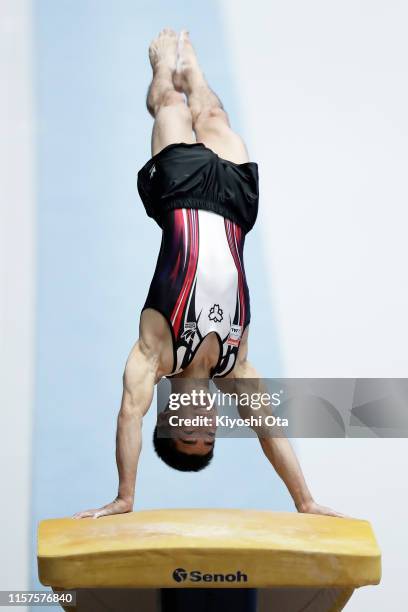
(167, 32)
(185, 35)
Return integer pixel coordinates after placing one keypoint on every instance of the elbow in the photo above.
(130, 412)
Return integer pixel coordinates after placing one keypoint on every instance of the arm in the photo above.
(280, 454)
(277, 449)
(138, 385)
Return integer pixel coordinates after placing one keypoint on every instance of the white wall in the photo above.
(16, 289)
(324, 92)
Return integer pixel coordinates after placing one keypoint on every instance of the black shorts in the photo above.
(193, 176)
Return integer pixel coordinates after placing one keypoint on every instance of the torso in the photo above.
(199, 286)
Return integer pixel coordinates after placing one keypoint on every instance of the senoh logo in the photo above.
(179, 574)
(182, 575)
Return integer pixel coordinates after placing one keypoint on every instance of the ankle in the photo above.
(192, 79)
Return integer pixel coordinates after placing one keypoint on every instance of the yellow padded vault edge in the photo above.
(143, 549)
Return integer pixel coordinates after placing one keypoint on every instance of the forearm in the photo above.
(128, 447)
(279, 452)
(138, 385)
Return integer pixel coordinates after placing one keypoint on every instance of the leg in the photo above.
(172, 117)
(210, 121)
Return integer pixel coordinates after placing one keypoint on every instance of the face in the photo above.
(197, 437)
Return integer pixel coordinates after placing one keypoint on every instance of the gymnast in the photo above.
(202, 190)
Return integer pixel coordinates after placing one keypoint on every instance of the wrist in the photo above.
(304, 504)
(127, 498)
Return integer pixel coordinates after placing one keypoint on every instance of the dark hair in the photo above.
(167, 451)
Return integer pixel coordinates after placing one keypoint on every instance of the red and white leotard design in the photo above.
(199, 285)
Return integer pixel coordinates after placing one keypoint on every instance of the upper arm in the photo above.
(245, 380)
(150, 359)
(139, 379)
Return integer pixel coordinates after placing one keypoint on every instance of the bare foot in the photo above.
(187, 67)
(163, 50)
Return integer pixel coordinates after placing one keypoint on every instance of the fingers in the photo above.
(98, 512)
(317, 509)
(95, 513)
(331, 512)
(339, 514)
(84, 514)
(103, 512)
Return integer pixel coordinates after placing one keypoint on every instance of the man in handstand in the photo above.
(202, 190)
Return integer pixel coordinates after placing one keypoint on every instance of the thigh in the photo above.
(171, 125)
(212, 128)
